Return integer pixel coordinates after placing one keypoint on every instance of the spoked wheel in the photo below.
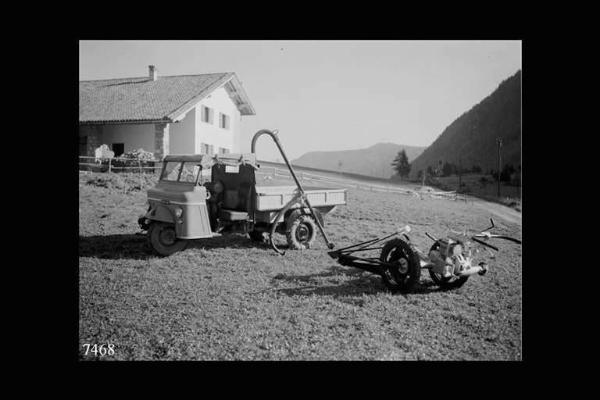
(302, 232)
(450, 282)
(406, 272)
(163, 239)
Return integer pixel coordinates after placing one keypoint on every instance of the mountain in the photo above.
(472, 136)
(372, 161)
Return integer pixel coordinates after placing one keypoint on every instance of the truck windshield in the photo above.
(177, 171)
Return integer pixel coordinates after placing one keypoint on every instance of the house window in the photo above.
(118, 148)
(206, 148)
(224, 121)
(83, 145)
(207, 114)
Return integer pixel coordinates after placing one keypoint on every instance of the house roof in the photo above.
(131, 100)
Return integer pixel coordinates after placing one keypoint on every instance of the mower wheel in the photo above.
(302, 232)
(451, 282)
(163, 240)
(406, 272)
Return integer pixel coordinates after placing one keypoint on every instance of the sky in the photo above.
(328, 95)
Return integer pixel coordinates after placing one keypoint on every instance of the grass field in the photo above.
(228, 298)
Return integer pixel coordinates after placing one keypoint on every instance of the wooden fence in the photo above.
(112, 165)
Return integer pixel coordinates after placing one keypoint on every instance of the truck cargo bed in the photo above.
(275, 197)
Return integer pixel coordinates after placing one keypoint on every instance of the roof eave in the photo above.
(237, 91)
(187, 106)
(244, 106)
(125, 121)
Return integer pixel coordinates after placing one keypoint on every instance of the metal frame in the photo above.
(301, 196)
(372, 264)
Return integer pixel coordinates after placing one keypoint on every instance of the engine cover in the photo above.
(448, 258)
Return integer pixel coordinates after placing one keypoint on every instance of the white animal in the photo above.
(103, 152)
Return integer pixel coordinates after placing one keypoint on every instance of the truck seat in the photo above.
(232, 215)
(236, 203)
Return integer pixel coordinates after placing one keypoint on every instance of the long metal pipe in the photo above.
(273, 135)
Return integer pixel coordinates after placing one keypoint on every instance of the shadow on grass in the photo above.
(363, 283)
(136, 247)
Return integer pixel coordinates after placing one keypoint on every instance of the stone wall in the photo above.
(161, 140)
(94, 137)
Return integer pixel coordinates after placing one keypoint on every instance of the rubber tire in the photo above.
(257, 236)
(393, 279)
(154, 232)
(446, 283)
(302, 221)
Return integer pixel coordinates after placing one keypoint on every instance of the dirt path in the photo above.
(499, 210)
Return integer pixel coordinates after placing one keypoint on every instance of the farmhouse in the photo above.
(163, 114)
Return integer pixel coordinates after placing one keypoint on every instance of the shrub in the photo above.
(127, 182)
(110, 181)
(134, 158)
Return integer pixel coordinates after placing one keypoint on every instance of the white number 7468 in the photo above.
(99, 350)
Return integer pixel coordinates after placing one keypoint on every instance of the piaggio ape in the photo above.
(181, 209)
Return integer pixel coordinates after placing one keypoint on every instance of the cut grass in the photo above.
(228, 298)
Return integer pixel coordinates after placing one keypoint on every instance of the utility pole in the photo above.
(459, 175)
(499, 141)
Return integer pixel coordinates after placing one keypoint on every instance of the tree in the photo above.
(401, 164)
(447, 169)
(476, 169)
(507, 171)
(430, 170)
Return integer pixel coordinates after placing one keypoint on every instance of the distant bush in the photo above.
(110, 181)
(127, 182)
(506, 173)
(448, 169)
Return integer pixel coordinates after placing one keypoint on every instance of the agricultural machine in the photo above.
(182, 208)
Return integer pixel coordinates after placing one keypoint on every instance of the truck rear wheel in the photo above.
(302, 232)
(163, 239)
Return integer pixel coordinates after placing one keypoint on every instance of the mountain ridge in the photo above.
(470, 140)
(373, 161)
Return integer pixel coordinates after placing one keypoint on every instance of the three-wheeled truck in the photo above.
(181, 207)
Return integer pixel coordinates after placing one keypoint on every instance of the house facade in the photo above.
(186, 114)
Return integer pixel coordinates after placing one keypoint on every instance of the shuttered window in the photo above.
(207, 114)
(224, 121)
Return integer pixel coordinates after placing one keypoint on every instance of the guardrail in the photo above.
(276, 172)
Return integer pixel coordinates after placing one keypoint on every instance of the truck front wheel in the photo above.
(163, 239)
(302, 232)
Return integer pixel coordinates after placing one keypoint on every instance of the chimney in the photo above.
(152, 72)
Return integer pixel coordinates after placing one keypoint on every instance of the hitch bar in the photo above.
(373, 265)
